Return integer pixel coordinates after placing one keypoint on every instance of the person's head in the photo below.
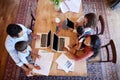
(94, 42)
(14, 30)
(21, 46)
(80, 30)
(90, 20)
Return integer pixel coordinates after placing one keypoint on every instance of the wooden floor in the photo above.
(8, 15)
(8, 11)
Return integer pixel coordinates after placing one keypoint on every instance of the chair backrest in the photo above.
(32, 19)
(31, 14)
(113, 53)
(109, 53)
(102, 26)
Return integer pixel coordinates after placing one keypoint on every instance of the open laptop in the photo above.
(44, 41)
(59, 42)
(68, 24)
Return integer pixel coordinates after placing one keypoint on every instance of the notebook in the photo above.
(44, 41)
(59, 42)
(68, 24)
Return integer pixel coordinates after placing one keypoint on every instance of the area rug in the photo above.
(96, 71)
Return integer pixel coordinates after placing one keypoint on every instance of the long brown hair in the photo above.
(92, 20)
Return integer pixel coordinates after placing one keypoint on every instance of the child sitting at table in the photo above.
(25, 54)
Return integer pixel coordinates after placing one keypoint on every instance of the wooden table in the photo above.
(45, 21)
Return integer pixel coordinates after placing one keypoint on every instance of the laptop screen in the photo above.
(70, 24)
(55, 42)
(49, 39)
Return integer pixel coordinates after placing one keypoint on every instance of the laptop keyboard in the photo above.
(61, 44)
(43, 40)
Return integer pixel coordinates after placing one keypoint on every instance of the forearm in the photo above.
(24, 68)
(32, 34)
(77, 47)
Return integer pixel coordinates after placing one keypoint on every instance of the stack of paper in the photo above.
(44, 62)
(70, 5)
(65, 63)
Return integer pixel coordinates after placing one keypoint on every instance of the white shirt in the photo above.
(22, 56)
(10, 44)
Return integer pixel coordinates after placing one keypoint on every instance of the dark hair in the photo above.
(21, 45)
(92, 20)
(80, 30)
(95, 43)
(13, 30)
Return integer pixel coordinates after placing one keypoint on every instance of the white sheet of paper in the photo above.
(65, 63)
(72, 68)
(70, 5)
(63, 7)
(44, 62)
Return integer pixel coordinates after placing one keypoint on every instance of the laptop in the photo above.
(59, 42)
(68, 24)
(44, 41)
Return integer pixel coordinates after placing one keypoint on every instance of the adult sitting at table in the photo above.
(89, 22)
(86, 47)
(17, 32)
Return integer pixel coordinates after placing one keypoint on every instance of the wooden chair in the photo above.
(32, 20)
(110, 54)
(100, 29)
(30, 17)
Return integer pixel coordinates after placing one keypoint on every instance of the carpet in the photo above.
(96, 71)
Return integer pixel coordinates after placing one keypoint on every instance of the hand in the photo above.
(77, 41)
(37, 56)
(34, 51)
(37, 67)
(77, 47)
(76, 24)
(36, 37)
